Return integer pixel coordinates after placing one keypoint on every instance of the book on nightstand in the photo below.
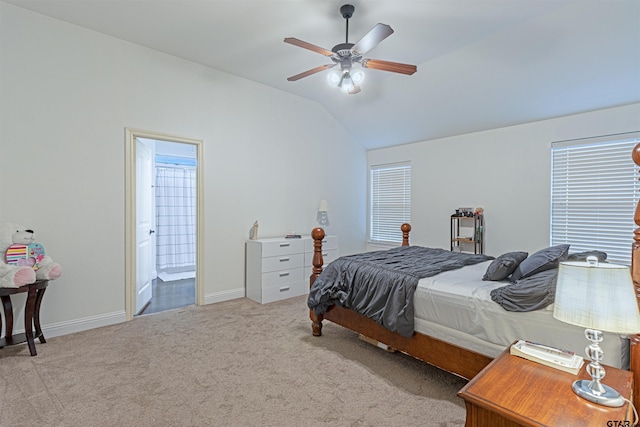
(553, 357)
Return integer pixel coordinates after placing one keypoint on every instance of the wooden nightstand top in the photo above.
(515, 391)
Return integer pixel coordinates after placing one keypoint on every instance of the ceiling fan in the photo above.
(346, 54)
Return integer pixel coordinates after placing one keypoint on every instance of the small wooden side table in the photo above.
(35, 293)
(512, 391)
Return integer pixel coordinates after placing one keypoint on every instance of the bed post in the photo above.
(634, 363)
(317, 234)
(406, 228)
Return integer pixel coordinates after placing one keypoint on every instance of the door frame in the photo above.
(130, 213)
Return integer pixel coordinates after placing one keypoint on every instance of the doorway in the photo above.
(152, 268)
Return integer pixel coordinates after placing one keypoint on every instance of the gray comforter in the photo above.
(381, 284)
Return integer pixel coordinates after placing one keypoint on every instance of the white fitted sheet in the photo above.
(456, 307)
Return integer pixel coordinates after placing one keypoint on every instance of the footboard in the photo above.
(317, 234)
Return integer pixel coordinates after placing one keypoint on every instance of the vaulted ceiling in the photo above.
(482, 64)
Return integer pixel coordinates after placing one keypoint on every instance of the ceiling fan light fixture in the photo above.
(357, 76)
(354, 89)
(346, 82)
(344, 78)
(334, 77)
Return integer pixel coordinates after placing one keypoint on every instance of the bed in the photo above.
(464, 343)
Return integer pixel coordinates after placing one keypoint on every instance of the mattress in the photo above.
(456, 307)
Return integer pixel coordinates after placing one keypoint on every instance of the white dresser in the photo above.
(279, 268)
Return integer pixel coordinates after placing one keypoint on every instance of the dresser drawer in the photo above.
(280, 247)
(327, 257)
(275, 293)
(282, 277)
(329, 242)
(282, 262)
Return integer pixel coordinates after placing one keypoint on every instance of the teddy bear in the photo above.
(22, 260)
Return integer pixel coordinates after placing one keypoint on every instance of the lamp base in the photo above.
(610, 397)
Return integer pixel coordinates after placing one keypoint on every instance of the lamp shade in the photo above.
(324, 206)
(597, 296)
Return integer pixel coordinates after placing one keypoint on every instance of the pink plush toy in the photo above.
(22, 260)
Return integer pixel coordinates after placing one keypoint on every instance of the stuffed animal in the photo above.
(22, 260)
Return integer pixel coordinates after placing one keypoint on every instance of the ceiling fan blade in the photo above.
(394, 67)
(310, 72)
(372, 38)
(305, 45)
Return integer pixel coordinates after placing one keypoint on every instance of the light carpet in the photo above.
(236, 363)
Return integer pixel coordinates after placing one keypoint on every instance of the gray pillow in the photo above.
(531, 293)
(504, 265)
(544, 259)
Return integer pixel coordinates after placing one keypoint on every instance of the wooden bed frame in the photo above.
(446, 356)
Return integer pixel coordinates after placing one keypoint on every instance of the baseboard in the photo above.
(78, 325)
(83, 324)
(224, 296)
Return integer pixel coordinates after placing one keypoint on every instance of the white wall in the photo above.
(67, 96)
(506, 171)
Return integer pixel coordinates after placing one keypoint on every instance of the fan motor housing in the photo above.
(342, 49)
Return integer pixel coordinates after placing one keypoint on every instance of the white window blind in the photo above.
(594, 193)
(390, 203)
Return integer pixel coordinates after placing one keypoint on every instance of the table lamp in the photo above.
(598, 297)
(323, 217)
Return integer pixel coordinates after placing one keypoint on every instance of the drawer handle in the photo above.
(284, 259)
(284, 288)
(284, 274)
(326, 254)
(284, 245)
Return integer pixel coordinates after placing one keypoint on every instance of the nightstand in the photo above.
(512, 391)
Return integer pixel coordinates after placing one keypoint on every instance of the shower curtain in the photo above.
(175, 217)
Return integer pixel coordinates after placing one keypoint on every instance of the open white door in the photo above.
(144, 203)
(139, 216)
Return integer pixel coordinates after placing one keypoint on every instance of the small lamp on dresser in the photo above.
(323, 217)
(598, 297)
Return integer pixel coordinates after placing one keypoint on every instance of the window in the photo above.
(594, 193)
(390, 202)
